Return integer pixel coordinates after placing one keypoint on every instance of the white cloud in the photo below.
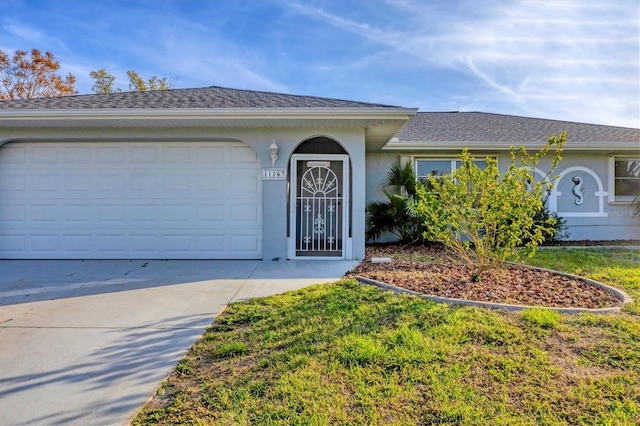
(557, 59)
(24, 32)
(571, 60)
(206, 58)
(152, 42)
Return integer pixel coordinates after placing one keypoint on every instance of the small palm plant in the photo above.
(396, 215)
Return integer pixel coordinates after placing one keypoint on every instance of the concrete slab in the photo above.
(277, 277)
(88, 342)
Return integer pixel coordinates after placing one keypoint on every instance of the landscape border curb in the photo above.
(621, 295)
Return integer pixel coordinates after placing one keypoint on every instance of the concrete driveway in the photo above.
(88, 342)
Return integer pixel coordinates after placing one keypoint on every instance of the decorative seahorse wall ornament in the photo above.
(578, 190)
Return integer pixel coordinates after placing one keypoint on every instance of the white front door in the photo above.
(319, 206)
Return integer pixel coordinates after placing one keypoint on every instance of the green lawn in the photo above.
(352, 354)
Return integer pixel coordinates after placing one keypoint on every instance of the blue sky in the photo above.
(576, 60)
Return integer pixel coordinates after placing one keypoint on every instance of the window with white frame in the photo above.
(624, 178)
(439, 167)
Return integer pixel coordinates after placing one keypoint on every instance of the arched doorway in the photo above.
(319, 200)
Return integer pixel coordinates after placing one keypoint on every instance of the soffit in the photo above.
(380, 124)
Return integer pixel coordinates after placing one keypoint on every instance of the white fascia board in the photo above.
(487, 146)
(208, 113)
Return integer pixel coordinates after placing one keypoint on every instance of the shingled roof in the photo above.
(426, 130)
(207, 98)
(454, 129)
(203, 107)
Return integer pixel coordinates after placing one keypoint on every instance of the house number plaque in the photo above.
(274, 174)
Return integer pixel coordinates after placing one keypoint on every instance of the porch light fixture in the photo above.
(273, 150)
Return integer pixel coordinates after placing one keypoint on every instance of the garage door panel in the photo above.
(240, 214)
(241, 154)
(45, 154)
(12, 214)
(177, 155)
(139, 200)
(78, 244)
(240, 182)
(210, 154)
(45, 243)
(177, 182)
(111, 245)
(144, 183)
(178, 214)
(14, 184)
(111, 183)
(213, 213)
(14, 155)
(43, 213)
(45, 182)
(143, 155)
(78, 155)
(77, 214)
(144, 243)
(211, 242)
(110, 155)
(109, 214)
(244, 243)
(142, 214)
(210, 182)
(78, 182)
(12, 245)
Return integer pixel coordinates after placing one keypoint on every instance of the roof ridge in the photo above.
(268, 92)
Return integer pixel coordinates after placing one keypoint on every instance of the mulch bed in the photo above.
(434, 271)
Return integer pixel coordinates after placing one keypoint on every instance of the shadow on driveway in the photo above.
(88, 342)
(25, 281)
(101, 384)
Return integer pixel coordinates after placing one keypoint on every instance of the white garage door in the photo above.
(142, 200)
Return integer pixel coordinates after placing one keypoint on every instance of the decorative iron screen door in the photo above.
(318, 211)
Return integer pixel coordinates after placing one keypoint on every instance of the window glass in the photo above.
(627, 177)
(480, 163)
(426, 168)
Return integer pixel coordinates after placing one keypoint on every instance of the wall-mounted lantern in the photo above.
(273, 150)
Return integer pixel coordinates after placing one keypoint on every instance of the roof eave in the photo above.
(500, 146)
(203, 113)
(380, 123)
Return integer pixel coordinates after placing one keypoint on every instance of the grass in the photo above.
(350, 354)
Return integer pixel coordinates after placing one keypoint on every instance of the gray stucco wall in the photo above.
(595, 218)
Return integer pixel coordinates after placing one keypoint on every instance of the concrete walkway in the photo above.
(88, 342)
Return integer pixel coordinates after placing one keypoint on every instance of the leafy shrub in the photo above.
(485, 216)
(558, 228)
